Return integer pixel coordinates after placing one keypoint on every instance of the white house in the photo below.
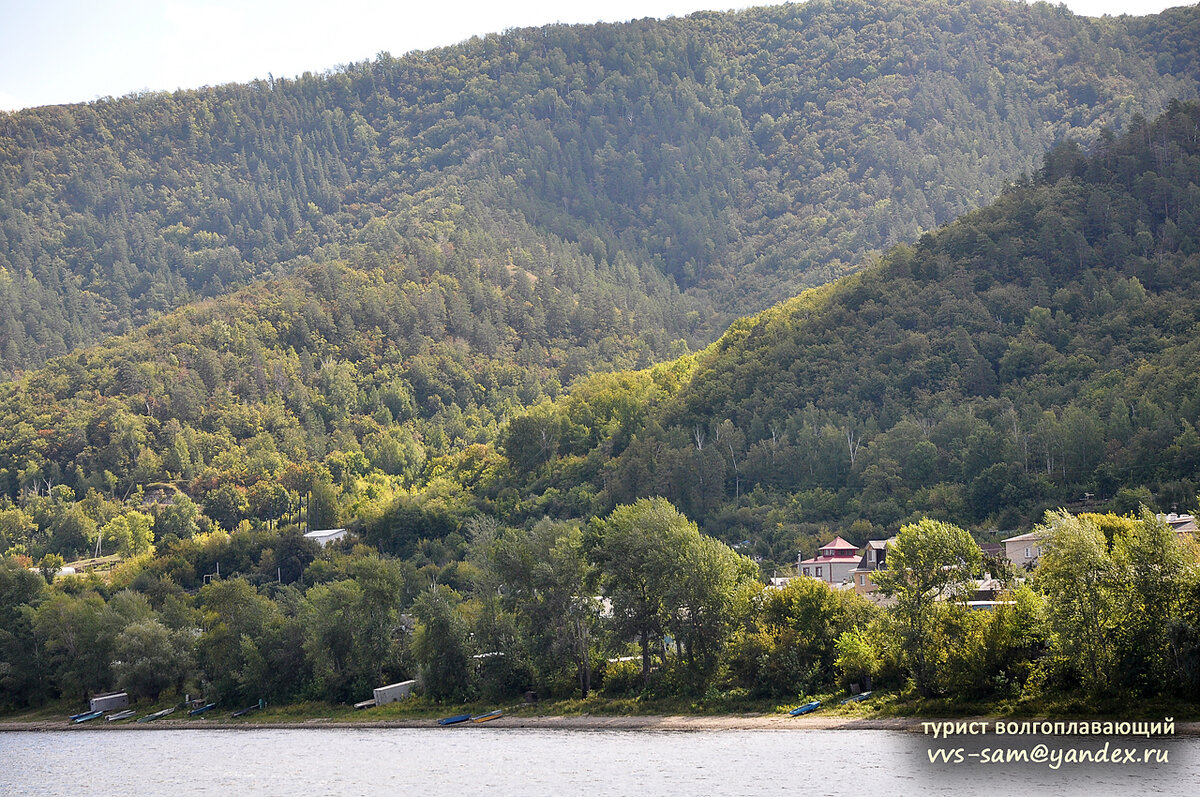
(1024, 549)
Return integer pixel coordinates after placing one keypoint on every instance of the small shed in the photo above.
(393, 692)
(109, 702)
(326, 536)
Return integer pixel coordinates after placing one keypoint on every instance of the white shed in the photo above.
(393, 692)
(326, 536)
(109, 702)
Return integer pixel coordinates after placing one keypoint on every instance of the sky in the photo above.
(62, 51)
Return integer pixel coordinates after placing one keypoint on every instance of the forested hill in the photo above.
(739, 157)
(1040, 352)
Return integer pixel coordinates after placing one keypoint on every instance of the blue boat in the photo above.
(457, 718)
(807, 707)
(91, 715)
(202, 709)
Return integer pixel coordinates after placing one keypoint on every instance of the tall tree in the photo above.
(928, 562)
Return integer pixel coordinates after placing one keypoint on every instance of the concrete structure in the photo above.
(834, 562)
(326, 536)
(874, 558)
(1024, 550)
(393, 692)
(109, 702)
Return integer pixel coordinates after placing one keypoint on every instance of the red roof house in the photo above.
(833, 563)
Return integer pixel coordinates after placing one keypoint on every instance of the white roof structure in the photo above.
(326, 536)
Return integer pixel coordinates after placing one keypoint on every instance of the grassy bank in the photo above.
(882, 705)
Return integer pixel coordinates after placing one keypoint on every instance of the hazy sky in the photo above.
(58, 51)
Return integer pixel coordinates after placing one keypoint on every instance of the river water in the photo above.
(529, 762)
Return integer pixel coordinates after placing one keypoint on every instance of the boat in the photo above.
(243, 712)
(202, 709)
(157, 715)
(457, 718)
(120, 715)
(488, 717)
(857, 698)
(806, 708)
(74, 717)
(91, 715)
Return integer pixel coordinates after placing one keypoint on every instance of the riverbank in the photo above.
(672, 723)
(565, 723)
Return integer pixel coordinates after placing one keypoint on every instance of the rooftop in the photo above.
(838, 542)
(1032, 536)
(320, 533)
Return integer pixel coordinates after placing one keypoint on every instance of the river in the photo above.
(530, 762)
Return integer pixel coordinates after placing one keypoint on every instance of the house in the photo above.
(326, 536)
(833, 564)
(874, 558)
(1024, 549)
(1183, 525)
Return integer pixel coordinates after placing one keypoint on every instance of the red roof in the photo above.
(838, 542)
(842, 552)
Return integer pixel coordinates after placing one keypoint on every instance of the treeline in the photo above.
(635, 604)
(268, 614)
(1033, 354)
(741, 156)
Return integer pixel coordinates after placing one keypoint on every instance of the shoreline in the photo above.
(586, 722)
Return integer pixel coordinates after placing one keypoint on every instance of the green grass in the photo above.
(882, 705)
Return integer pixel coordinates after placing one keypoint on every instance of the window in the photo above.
(1027, 556)
(862, 581)
(818, 571)
(806, 571)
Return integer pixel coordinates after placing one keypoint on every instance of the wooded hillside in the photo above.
(1026, 355)
(739, 157)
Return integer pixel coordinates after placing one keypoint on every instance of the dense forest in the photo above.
(1020, 358)
(737, 158)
